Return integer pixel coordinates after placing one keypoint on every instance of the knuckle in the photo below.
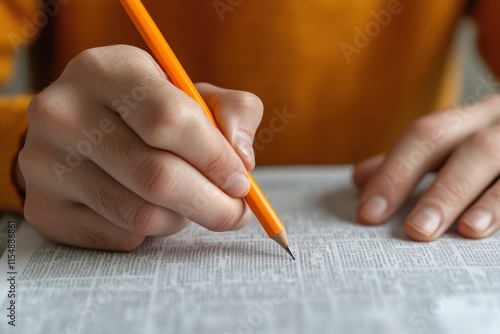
(423, 127)
(90, 56)
(32, 212)
(158, 178)
(37, 105)
(129, 243)
(488, 141)
(125, 243)
(52, 108)
(41, 107)
(244, 221)
(103, 61)
(35, 211)
(450, 191)
(88, 60)
(23, 158)
(83, 235)
(138, 62)
(143, 219)
(227, 220)
(116, 147)
(31, 160)
(106, 198)
(168, 120)
(248, 102)
(217, 165)
(90, 237)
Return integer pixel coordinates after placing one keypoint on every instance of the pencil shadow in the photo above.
(190, 252)
(254, 252)
(341, 203)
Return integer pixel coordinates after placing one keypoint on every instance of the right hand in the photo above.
(115, 152)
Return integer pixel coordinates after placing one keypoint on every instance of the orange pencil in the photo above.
(255, 198)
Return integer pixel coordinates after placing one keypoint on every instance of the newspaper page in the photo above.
(347, 278)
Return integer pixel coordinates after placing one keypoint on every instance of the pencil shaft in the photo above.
(163, 53)
(168, 61)
(262, 209)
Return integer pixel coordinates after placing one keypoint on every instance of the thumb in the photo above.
(238, 114)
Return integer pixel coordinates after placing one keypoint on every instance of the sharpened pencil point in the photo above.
(282, 240)
(151, 34)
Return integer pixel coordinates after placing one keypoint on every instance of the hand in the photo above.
(115, 153)
(463, 145)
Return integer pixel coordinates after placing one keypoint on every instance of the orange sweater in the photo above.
(339, 79)
(13, 120)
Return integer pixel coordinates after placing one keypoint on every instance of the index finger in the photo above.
(162, 115)
(422, 148)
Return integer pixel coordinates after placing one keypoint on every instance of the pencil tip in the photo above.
(289, 251)
(282, 240)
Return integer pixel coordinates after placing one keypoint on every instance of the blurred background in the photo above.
(473, 66)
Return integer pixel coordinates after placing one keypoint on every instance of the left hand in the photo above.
(463, 146)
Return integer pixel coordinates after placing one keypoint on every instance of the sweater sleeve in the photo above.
(16, 32)
(486, 14)
(13, 125)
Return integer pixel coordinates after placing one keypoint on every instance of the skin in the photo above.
(463, 146)
(163, 164)
(159, 163)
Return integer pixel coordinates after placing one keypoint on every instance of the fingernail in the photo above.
(237, 185)
(425, 221)
(479, 220)
(243, 143)
(374, 208)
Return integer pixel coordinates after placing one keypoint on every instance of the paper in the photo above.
(347, 278)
